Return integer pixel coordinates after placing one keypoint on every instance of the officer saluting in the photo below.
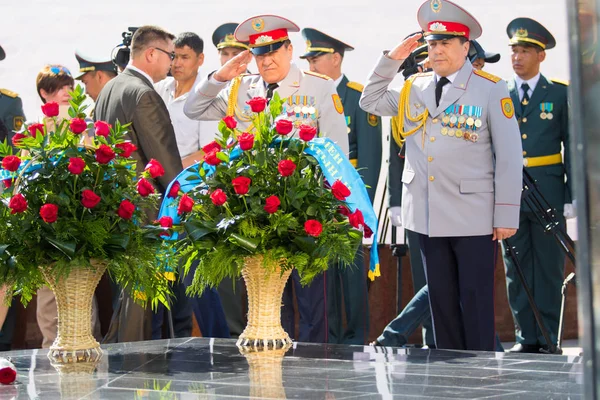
(325, 55)
(270, 44)
(542, 111)
(11, 110)
(462, 177)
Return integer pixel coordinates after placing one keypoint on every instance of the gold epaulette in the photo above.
(356, 86)
(487, 75)
(560, 81)
(420, 75)
(317, 75)
(9, 93)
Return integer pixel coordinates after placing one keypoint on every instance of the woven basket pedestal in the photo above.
(266, 372)
(74, 293)
(265, 290)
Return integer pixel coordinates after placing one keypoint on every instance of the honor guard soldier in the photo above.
(224, 40)
(325, 55)
(542, 111)
(11, 110)
(94, 74)
(462, 177)
(314, 96)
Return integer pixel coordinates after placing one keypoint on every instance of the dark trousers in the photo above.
(181, 312)
(543, 264)
(351, 282)
(232, 301)
(311, 300)
(460, 276)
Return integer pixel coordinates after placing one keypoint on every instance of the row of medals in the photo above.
(301, 114)
(465, 127)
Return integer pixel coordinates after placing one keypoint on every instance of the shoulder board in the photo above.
(9, 93)
(560, 82)
(317, 75)
(487, 75)
(356, 86)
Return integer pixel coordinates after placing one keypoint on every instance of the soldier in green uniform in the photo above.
(11, 109)
(325, 55)
(542, 111)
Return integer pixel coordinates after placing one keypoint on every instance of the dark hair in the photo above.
(146, 36)
(52, 78)
(191, 40)
(462, 39)
(110, 74)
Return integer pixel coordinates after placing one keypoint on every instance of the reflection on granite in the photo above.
(198, 368)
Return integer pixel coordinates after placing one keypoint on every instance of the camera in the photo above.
(121, 58)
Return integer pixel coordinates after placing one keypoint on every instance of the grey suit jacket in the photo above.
(130, 97)
(208, 102)
(453, 186)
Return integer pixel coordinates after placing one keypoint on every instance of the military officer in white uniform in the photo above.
(462, 177)
(312, 98)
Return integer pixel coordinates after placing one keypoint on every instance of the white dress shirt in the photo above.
(531, 82)
(447, 86)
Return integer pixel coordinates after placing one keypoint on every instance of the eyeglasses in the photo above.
(58, 69)
(171, 54)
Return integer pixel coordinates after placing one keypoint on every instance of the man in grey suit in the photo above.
(462, 176)
(312, 100)
(130, 97)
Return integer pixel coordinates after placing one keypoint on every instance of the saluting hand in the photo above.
(232, 68)
(403, 50)
(503, 233)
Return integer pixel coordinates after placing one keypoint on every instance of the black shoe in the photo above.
(524, 348)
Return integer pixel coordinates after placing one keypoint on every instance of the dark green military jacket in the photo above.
(364, 135)
(11, 112)
(544, 126)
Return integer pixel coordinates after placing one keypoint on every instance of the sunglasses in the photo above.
(57, 70)
(171, 55)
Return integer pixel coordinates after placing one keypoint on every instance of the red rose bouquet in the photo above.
(261, 194)
(65, 203)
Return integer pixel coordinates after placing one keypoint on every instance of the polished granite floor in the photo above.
(197, 368)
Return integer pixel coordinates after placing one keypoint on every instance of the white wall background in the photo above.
(37, 32)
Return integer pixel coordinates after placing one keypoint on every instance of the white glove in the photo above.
(396, 216)
(570, 210)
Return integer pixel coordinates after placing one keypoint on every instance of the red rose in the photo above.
(35, 128)
(286, 167)
(11, 163)
(77, 125)
(155, 168)
(313, 227)
(7, 183)
(356, 219)
(218, 197)
(186, 204)
(8, 375)
(126, 209)
(211, 158)
(344, 211)
(272, 203)
(174, 191)
(307, 132)
(89, 199)
(368, 232)
(283, 126)
(101, 128)
(17, 203)
(230, 122)
(126, 149)
(76, 165)
(16, 140)
(241, 184)
(144, 187)
(246, 141)
(50, 109)
(104, 154)
(257, 104)
(49, 213)
(166, 222)
(340, 191)
(212, 146)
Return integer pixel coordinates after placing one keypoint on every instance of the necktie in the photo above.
(525, 88)
(270, 89)
(438, 89)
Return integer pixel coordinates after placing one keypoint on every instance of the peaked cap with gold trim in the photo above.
(87, 64)
(528, 31)
(265, 33)
(318, 43)
(442, 19)
(224, 37)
